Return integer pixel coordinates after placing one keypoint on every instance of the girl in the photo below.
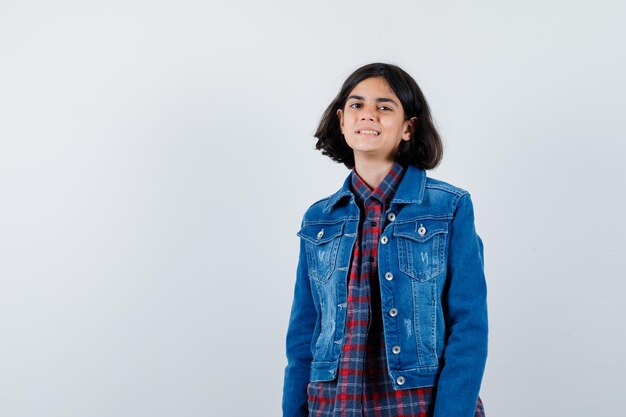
(389, 316)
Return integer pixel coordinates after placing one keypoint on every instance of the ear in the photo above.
(340, 116)
(409, 128)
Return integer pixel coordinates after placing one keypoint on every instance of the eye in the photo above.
(355, 105)
(385, 108)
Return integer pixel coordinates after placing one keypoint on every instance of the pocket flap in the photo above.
(321, 233)
(421, 230)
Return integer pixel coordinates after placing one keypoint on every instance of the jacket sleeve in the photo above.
(299, 333)
(465, 353)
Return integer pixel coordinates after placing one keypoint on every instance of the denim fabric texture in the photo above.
(432, 288)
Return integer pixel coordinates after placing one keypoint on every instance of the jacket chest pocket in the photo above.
(421, 247)
(322, 244)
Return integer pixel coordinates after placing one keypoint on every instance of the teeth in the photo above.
(370, 132)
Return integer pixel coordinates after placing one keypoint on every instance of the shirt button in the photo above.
(320, 234)
(422, 230)
(371, 258)
(393, 312)
(384, 240)
(388, 276)
(395, 349)
(400, 380)
(373, 223)
(391, 216)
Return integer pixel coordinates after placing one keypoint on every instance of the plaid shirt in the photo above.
(363, 387)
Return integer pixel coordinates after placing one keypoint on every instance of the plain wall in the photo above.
(156, 159)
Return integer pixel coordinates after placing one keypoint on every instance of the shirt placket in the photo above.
(374, 218)
(374, 209)
(359, 318)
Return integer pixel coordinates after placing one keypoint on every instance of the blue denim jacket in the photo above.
(432, 288)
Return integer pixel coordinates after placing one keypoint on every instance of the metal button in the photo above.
(384, 240)
(320, 234)
(400, 380)
(422, 230)
(388, 276)
(391, 216)
(395, 349)
(393, 312)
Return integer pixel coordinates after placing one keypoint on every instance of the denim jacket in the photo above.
(432, 288)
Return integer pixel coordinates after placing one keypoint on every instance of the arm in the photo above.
(465, 352)
(299, 356)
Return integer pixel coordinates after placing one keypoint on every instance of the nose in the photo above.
(367, 113)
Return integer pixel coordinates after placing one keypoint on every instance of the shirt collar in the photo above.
(410, 190)
(383, 192)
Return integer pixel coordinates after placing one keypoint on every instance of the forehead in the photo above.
(373, 87)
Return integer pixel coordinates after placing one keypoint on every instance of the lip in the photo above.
(361, 132)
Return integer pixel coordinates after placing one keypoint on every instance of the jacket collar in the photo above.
(410, 190)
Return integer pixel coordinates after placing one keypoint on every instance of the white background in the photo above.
(156, 159)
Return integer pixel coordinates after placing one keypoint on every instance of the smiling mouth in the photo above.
(368, 132)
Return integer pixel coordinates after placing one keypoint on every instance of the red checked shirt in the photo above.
(363, 387)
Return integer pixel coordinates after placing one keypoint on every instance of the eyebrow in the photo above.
(378, 100)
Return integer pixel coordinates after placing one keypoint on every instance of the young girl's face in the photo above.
(372, 121)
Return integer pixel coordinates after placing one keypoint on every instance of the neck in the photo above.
(372, 171)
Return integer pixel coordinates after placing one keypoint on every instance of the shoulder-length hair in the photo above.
(424, 149)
